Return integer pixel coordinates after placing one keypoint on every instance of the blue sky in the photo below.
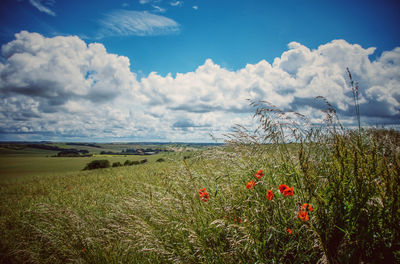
(232, 33)
(209, 47)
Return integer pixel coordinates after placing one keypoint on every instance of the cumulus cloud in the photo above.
(59, 69)
(43, 6)
(62, 88)
(292, 81)
(43, 80)
(128, 23)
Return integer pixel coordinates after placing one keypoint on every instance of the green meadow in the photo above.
(289, 194)
(39, 165)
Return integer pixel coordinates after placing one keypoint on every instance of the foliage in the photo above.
(117, 164)
(97, 164)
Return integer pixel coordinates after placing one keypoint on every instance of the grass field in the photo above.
(25, 165)
(30, 161)
(30, 179)
(331, 197)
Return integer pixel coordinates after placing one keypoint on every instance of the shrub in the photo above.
(160, 160)
(117, 164)
(97, 164)
(128, 163)
(68, 153)
(132, 162)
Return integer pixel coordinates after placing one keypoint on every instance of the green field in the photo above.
(25, 165)
(341, 203)
(26, 162)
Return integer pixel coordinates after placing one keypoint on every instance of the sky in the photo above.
(180, 71)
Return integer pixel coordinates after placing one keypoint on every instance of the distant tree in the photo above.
(117, 164)
(128, 163)
(68, 153)
(97, 164)
(134, 162)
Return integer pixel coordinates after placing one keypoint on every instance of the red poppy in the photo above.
(290, 231)
(251, 184)
(307, 207)
(283, 187)
(259, 174)
(202, 191)
(270, 195)
(303, 216)
(205, 196)
(288, 191)
(238, 219)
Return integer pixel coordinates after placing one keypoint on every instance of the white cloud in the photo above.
(144, 1)
(158, 9)
(41, 6)
(292, 81)
(195, 7)
(127, 23)
(62, 88)
(59, 73)
(176, 3)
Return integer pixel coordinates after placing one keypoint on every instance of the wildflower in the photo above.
(283, 187)
(270, 195)
(205, 196)
(238, 219)
(202, 191)
(83, 250)
(259, 174)
(290, 231)
(251, 184)
(288, 191)
(307, 207)
(303, 216)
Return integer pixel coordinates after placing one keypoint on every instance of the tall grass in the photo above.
(350, 176)
(345, 205)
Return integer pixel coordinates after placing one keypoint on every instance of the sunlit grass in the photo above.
(153, 213)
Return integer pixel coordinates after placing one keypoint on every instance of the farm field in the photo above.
(242, 203)
(17, 162)
(23, 165)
